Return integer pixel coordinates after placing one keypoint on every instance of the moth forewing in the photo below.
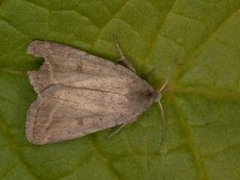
(79, 94)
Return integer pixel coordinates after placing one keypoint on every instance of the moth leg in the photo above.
(118, 129)
(122, 56)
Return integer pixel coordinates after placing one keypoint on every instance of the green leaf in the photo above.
(196, 42)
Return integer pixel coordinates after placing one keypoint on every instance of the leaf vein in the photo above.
(110, 20)
(154, 41)
(198, 49)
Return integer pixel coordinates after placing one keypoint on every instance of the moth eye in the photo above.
(149, 93)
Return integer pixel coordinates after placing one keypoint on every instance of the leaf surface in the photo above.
(194, 43)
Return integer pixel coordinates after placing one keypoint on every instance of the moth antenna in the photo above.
(163, 124)
(162, 113)
(164, 85)
(171, 69)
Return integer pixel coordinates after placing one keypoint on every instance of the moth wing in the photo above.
(79, 94)
(70, 66)
(63, 113)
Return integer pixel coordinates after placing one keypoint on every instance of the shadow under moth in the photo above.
(79, 94)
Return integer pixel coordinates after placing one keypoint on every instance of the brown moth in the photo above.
(79, 94)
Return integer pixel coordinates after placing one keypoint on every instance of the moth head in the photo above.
(150, 93)
(156, 95)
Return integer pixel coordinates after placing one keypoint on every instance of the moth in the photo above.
(79, 94)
